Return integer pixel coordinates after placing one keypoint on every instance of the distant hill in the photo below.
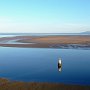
(86, 32)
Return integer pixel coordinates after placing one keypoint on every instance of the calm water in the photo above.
(40, 65)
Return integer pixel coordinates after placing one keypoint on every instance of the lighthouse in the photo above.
(59, 64)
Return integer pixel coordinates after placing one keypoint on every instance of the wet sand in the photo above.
(16, 85)
(49, 41)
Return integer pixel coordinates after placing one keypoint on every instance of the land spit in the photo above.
(48, 41)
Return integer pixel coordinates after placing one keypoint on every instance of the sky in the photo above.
(44, 16)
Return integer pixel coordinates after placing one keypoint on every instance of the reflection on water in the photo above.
(59, 69)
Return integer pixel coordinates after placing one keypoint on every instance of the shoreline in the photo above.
(6, 84)
(63, 42)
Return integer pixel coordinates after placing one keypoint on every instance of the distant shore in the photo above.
(48, 41)
(6, 84)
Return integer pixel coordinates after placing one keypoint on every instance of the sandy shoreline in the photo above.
(6, 84)
(48, 41)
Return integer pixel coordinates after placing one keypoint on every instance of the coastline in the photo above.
(63, 42)
(6, 84)
(44, 42)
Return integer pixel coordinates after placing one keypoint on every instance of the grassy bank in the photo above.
(13, 85)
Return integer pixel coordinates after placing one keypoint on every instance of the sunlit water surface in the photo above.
(41, 65)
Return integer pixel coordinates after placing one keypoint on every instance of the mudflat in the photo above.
(49, 41)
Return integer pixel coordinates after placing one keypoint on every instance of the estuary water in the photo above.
(41, 65)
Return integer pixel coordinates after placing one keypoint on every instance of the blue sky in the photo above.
(44, 16)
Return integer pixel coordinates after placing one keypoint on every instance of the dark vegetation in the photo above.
(14, 85)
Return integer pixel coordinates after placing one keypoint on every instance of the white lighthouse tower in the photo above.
(59, 64)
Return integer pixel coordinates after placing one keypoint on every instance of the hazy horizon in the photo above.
(44, 16)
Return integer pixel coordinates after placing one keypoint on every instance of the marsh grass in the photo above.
(13, 85)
